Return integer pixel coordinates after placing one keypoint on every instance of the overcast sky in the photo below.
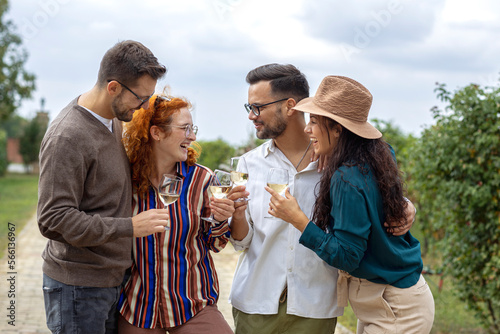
(398, 49)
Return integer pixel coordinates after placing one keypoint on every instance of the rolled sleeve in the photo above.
(240, 245)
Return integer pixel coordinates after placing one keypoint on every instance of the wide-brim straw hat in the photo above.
(344, 100)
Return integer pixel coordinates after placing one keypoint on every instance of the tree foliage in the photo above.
(215, 154)
(400, 142)
(30, 141)
(16, 84)
(457, 174)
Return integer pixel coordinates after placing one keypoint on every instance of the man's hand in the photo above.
(396, 228)
(321, 161)
(239, 206)
(149, 222)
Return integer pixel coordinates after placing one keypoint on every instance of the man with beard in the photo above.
(279, 285)
(85, 194)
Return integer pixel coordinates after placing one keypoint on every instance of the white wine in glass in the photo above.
(279, 188)
(220, 191)
(219, 187)
(168, 199)
(169, 190)
(238, 178)
(277, 179)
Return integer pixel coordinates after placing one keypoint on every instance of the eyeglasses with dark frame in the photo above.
(188, 128)
(137, 96)
(255, 108)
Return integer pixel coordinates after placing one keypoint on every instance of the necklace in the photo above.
(303, 156)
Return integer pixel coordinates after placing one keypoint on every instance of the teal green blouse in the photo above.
(357, 241)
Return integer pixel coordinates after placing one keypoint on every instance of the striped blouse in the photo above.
(173, 274)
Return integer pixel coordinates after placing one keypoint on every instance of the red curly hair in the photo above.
(137, 138)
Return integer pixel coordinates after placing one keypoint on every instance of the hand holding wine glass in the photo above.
(238, 178)
(277, 179)
(169, 190)
(219, 187)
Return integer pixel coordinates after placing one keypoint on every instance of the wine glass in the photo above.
(169, 190)
(219, 187)
(238, 178)
(277, 180)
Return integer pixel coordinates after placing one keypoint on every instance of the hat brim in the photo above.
(362, 129)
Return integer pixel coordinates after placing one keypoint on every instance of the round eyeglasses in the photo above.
(188, 128)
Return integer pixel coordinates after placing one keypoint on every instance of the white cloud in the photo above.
(210, 45)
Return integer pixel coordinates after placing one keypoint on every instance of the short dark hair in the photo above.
(127, 61)
(285, 80)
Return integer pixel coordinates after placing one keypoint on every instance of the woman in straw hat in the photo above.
(361, 188)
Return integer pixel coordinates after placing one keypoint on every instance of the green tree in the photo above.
(14, 126)
(30, 141)
(16, 84)
(215, 154)
(400, 142)
(457, 174)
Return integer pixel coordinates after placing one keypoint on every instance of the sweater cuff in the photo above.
(312, 236)
(126, 229)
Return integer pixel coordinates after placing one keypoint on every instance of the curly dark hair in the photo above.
(355, 151)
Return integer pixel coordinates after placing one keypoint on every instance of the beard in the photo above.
(273, 131)
(119, 111)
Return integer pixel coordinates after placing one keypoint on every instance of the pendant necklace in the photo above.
(303, 156)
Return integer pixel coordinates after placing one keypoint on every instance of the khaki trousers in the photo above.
(384, 308)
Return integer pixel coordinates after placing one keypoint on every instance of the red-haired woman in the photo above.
(173, 284)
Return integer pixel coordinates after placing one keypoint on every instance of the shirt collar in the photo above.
(271, 148)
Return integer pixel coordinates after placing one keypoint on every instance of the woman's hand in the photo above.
(287, 208)
(222, 208)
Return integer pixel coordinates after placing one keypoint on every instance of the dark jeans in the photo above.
(80, 309)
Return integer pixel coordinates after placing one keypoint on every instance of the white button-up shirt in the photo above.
(272, 257)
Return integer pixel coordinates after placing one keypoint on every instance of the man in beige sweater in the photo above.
(85, 194)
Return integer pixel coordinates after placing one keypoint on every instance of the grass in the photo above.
(18, 199)
(451, 314)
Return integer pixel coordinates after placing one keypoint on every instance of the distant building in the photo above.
(13, 155)
(14, 158)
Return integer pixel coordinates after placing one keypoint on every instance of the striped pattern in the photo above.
(173, 275)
